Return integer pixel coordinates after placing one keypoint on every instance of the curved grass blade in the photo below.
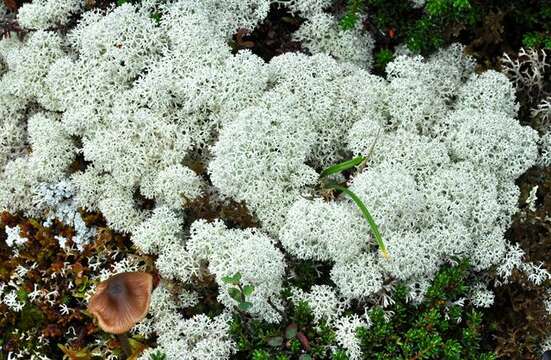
(340, 167)
(367, 216)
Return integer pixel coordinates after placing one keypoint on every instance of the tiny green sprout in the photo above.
(240, 292)
(351, 18)
(157, 356)
(156, 17)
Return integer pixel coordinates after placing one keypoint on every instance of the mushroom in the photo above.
(120, 302)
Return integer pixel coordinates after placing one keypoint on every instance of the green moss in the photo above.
(30, 317)
(536, 40)
(352, 16)
(383, 57)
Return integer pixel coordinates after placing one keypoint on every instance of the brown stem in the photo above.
(125, 345)
(272, 305)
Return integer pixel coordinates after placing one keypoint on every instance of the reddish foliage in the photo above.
(304, 341)
(11, 4)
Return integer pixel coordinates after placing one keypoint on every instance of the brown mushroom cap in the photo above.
(121, 301)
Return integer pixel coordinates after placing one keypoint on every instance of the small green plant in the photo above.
(261, 355)
(343, 166)
(536, 40)
(445, 7)
(239, 293)
(428, 32)
(157, 356)
(297, 337)
(383, 57)
(351, 18)
(422, 30)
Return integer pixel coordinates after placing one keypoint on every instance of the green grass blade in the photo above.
(367, 216)
(340, 167)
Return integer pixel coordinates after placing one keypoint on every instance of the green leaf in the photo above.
(305, 357)
(232, 279)
(245, 305)
(275, 341)
(158, 356)
(366, 214)
(340, 167)
(235, 294)
(248, 290)
(291, 331)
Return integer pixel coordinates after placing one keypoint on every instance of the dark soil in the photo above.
(519, 319)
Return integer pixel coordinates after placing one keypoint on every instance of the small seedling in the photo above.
(239, 293)
(157, 356)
